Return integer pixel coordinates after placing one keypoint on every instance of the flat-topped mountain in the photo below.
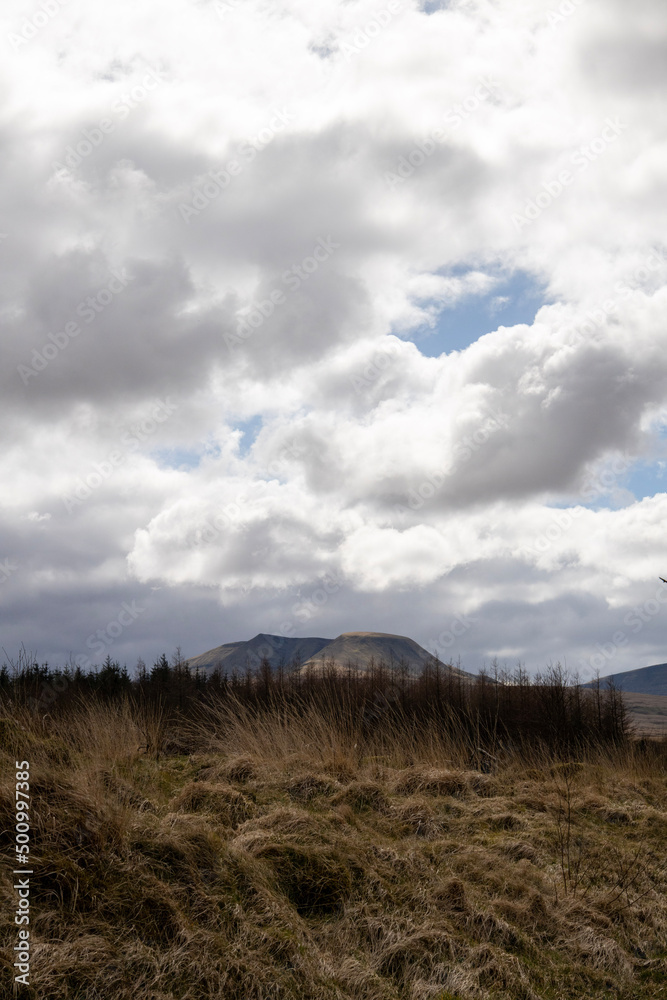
(363, 648)
(357, 648)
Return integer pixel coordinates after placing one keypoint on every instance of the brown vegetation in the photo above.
(302, 850)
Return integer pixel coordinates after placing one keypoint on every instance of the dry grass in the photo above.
(290, 857)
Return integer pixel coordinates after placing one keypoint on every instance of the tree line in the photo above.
(491, 709)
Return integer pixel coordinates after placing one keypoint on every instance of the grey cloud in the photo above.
(324, 312)
(627, 52)
(138, 344)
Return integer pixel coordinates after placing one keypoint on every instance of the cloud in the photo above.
(201, 226)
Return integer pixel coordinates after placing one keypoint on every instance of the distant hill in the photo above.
(361, 648)
(646, 680)
(238, 656)
(351, 647)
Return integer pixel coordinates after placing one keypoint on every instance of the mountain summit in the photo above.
(239, 656)
(363, 648)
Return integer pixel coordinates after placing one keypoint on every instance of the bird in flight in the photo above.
(662, 578)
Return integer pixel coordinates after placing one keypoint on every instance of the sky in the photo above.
(333, 317)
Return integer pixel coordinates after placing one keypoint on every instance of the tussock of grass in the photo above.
(290, 856)
(316, 880)
(306, 787)
(240, 769)
(429, 779)
(229, 806)
(363, 795)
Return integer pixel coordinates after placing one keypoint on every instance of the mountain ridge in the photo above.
(644, 680)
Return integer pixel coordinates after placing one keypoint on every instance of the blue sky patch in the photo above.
(512, 301)
(645, 479)
(249, 429)
(177, 458)
(608, 490)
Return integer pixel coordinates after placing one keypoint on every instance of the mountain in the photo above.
(646, 680)
(361, 648)
(350, 647)
(238, 656)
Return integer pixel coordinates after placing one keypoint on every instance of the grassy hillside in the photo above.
(267, 852)
(647, 713)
